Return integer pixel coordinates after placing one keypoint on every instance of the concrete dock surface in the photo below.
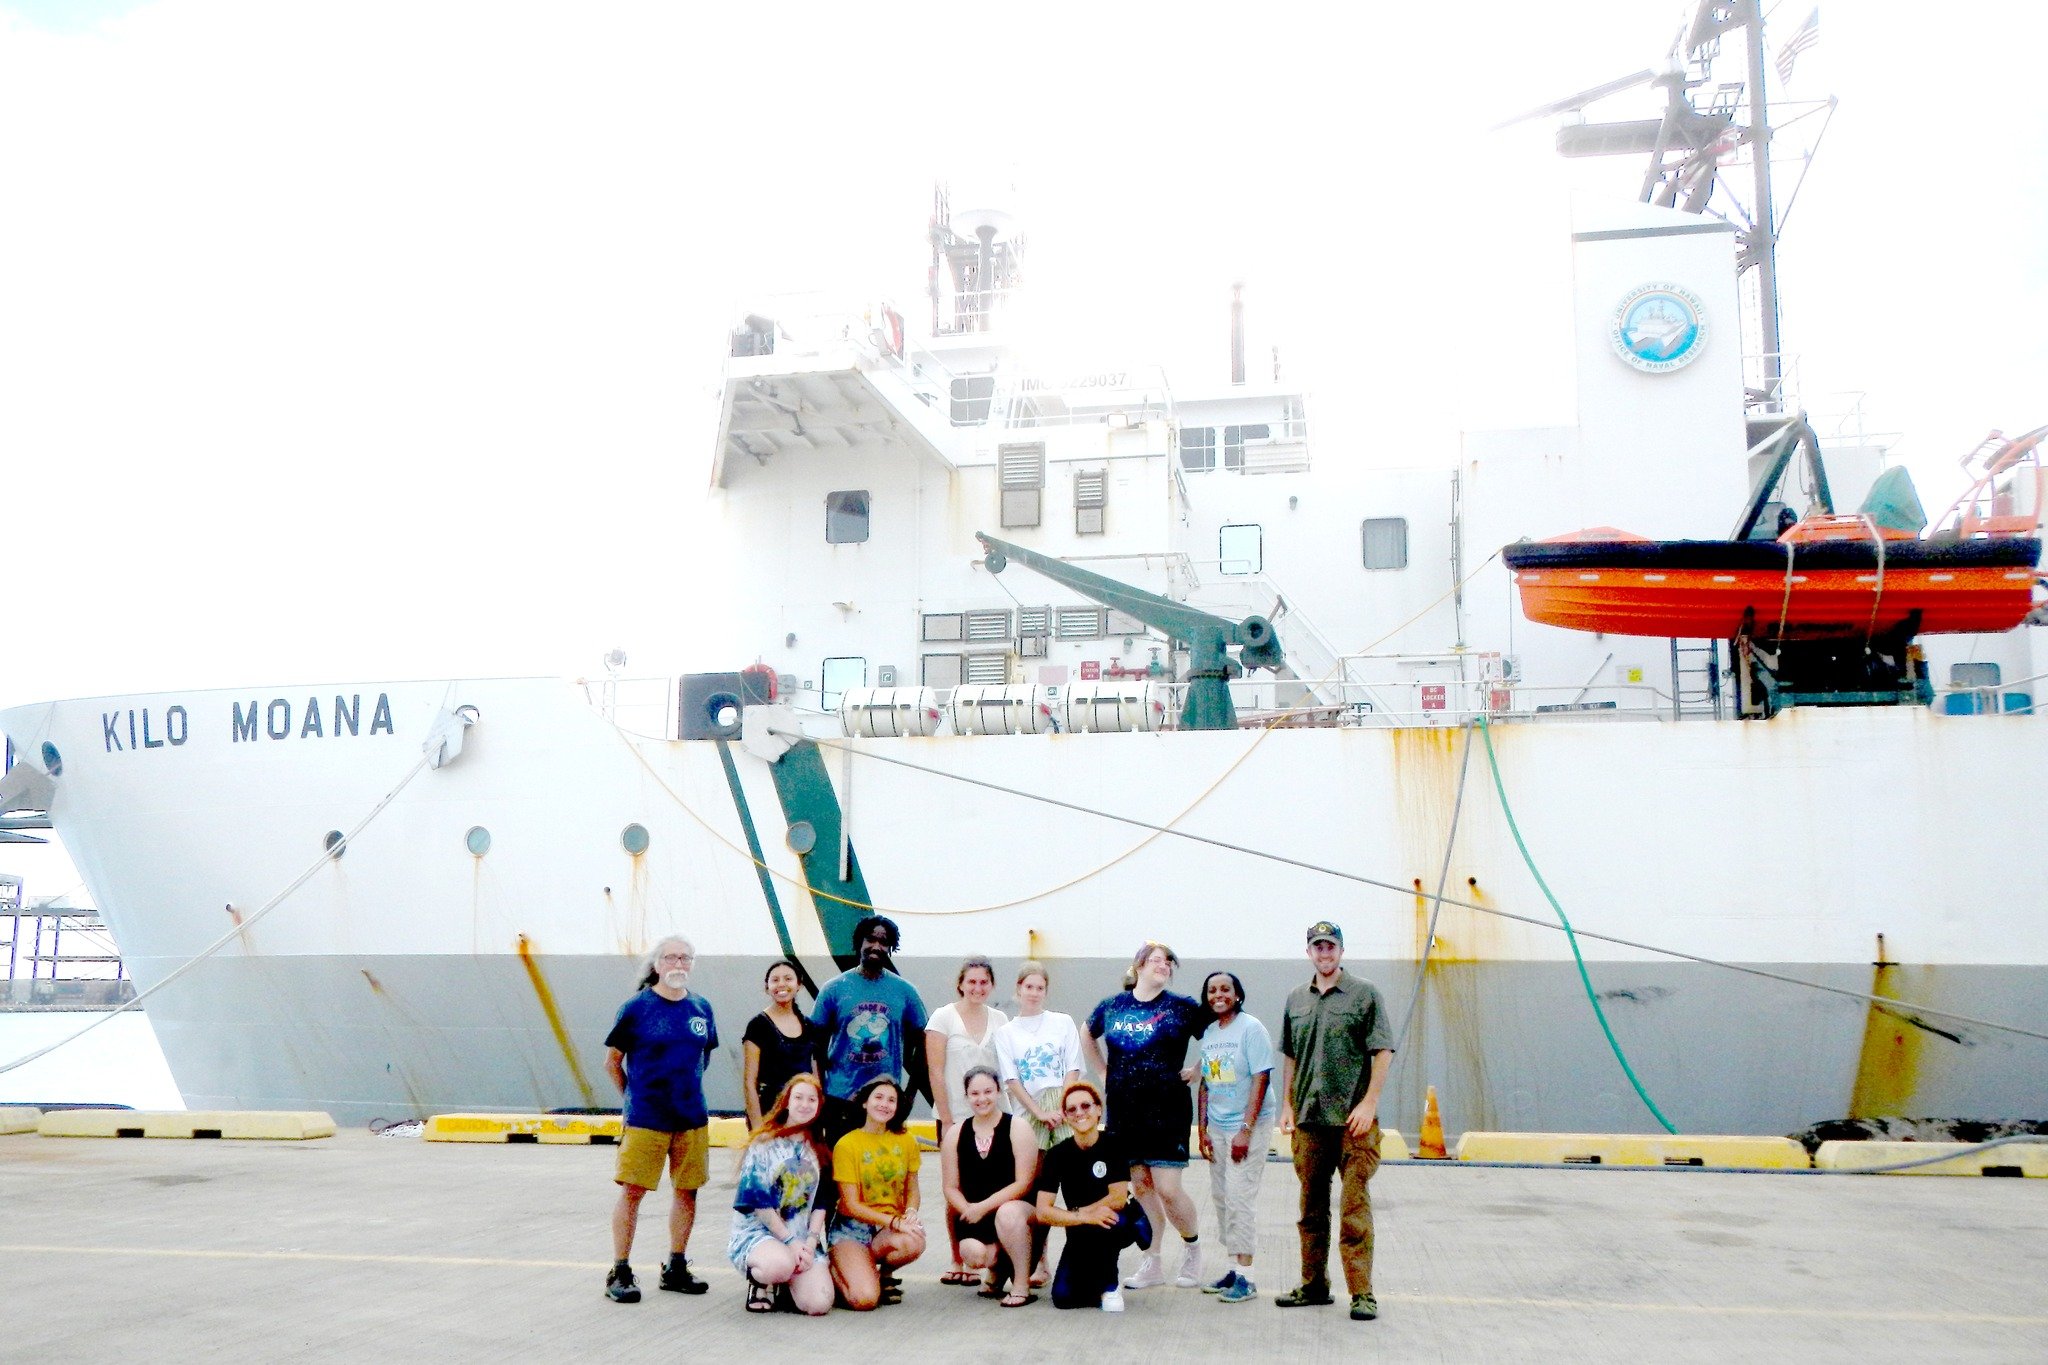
(358, 1246)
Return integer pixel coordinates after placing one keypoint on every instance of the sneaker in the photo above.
(1240, 1290)
(1229, 1279)
(1190, 1267)
(619, 1286)
(1305, 1296)
(1364, 1308)
(676, 1276)
(1148, 1274)
(1113, 1302)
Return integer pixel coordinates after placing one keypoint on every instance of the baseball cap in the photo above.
(1323, 929)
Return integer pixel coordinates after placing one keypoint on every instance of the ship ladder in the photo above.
(1695, 679)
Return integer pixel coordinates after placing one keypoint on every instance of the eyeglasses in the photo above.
(678, 957)
(1080, 1106)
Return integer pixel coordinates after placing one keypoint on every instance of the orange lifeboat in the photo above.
(1826, 578)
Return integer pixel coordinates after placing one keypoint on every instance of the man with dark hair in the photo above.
(870, 1023)
(1336, 1051)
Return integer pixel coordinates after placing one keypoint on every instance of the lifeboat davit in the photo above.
(1826, 578)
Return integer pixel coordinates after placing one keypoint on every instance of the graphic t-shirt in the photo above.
(1037, 1051)
(1232, 1054)
(781, 1057)
(881, 1164)
(864, 1023)
(1079, 1176)
(1146, 1042)
(779, 1173)
(667, 1043)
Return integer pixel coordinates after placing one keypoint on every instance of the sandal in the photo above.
(1040, 1278)
(892, 1292)
(1018, 1300)
(959, 1277)
(760, 1297)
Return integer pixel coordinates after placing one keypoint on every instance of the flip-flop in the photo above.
(1019, 1300)
(959, 1277)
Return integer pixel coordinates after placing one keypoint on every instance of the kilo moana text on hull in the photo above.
(277, 718)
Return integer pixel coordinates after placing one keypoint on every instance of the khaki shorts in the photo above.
(642, 1152)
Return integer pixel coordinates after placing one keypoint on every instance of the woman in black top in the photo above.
(779, 1043)
(1092, 1173)
(990, 1160)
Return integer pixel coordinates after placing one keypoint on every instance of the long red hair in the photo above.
(775, 1123)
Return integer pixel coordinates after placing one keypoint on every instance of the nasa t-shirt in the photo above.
(667, 1043)
(1081, 1175)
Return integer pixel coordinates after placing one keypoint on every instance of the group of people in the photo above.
(1027, 1142)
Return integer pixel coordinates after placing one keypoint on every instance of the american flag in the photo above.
(1803, 37)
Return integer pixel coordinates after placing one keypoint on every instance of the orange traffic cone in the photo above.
(1432, 1130)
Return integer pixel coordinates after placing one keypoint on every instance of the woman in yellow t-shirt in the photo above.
(877, 1227)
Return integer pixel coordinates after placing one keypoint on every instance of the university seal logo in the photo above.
(1658, 328)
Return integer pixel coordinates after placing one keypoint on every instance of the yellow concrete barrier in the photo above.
(1633, 1149)
(562, 1130)
(273, 1125)
(19, 1120)
(2018, 1158)
(579, 1130)
(926, 1130)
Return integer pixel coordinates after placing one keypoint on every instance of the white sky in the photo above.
(380, 339)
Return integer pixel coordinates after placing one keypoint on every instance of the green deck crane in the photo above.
(1208, 638)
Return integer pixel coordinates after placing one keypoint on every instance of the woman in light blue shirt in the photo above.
(1237, 1105)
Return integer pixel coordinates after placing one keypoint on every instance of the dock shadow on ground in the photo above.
(358, 1246)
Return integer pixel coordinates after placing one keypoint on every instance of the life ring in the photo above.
(892, 331)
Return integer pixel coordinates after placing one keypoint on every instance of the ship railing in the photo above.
(1770, 381)
(1392, 705)
(639, 706)
(968, 311)
(1118, 398)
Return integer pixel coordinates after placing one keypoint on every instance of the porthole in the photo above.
(802, 837)
(634, 838)
(337, 843)
(478, 840)
(53, 762)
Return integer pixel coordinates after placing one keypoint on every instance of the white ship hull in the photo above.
(411, 975)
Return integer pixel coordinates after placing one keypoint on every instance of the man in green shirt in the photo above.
(1336, 1050)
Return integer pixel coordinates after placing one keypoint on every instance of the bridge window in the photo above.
(1386, 542)
(837, 675)
(846, 517)
(1240, 550)
(1198, 449)
(972, 397)
(1234, 439)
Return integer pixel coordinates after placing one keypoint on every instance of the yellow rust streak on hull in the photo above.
(543, 993)
(1888, 1067)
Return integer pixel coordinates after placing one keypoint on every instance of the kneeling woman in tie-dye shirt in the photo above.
(778, 1223)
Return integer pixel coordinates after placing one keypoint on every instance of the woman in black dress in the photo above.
(779, 1043)
(990, 1160)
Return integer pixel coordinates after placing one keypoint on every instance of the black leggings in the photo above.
(1087, 1267)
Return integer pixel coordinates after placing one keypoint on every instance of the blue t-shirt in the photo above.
(667, 1044)
(863, 1023)
(1231, 1055)
(1146, 1041)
